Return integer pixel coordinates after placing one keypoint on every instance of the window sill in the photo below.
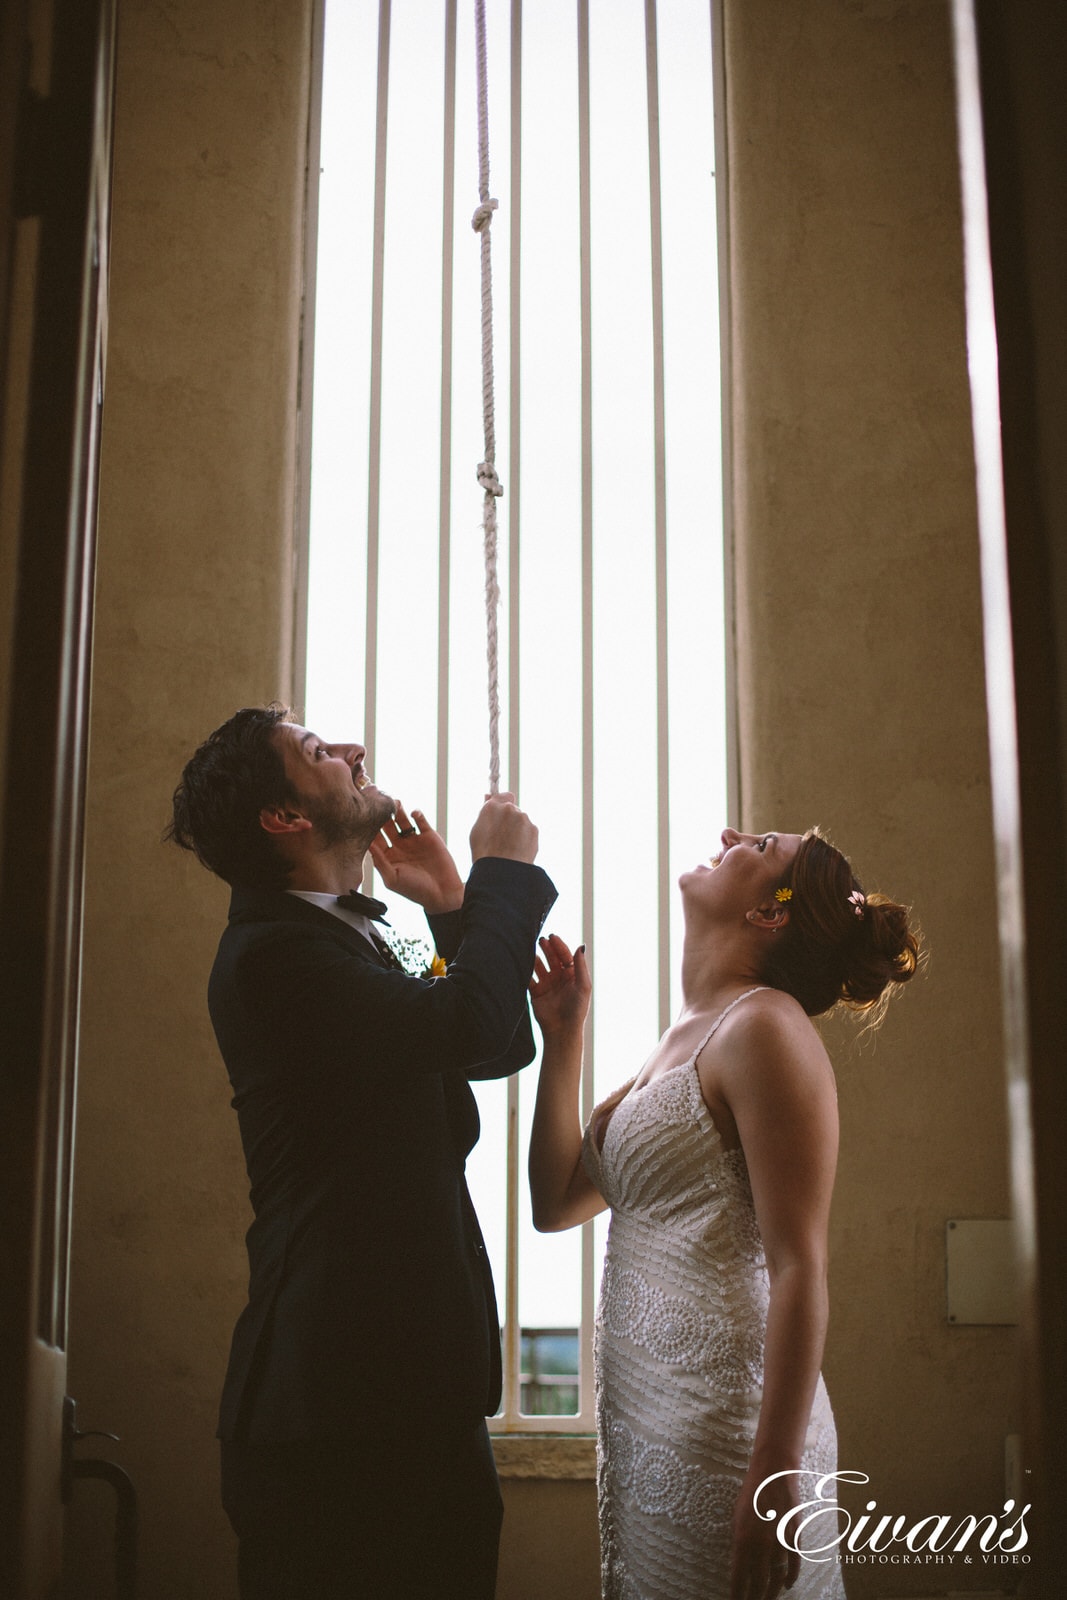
(545, 1455)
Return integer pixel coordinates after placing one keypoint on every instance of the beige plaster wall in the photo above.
(192, 620)
(861, 684)
(549, 1548)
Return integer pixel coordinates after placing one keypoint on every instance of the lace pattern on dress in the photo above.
(679, 1339)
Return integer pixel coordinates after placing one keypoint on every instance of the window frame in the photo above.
(511, 1423)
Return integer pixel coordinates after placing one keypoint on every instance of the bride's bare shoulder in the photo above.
(773, 1031)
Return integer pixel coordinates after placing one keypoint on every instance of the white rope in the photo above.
(487, 477)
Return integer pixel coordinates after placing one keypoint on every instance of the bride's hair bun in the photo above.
(839, 945)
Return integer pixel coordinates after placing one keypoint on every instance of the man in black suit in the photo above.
(355, 1456)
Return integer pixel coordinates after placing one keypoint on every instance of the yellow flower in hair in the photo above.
(782, 895)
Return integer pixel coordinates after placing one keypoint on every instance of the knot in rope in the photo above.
(488, 479)
(483, 216)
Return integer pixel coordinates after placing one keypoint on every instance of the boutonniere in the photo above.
(415, 955)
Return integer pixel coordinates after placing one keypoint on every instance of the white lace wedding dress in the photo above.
(679, 1348)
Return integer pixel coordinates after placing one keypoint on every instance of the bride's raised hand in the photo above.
(560, 987)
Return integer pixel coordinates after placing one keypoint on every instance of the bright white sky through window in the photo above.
(624, 948)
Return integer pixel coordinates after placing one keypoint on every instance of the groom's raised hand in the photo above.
(501, 829)
(414, 861)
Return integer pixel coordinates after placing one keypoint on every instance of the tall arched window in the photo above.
(613, 652)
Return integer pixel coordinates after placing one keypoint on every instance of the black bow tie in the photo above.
(354, 901)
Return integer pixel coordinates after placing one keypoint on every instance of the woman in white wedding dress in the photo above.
(717, 1161)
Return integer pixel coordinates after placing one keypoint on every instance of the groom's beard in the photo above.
(353, 820)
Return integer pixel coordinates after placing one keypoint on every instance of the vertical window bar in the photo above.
(513, 1399)
(512, 1329)
(722, 223)
(514, 369)
(444, 558)
(585, 300)
(663, 830)
(306, 368)
(370, 700)
(512, 1332)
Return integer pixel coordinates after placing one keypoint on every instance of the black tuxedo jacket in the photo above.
(370, 1295)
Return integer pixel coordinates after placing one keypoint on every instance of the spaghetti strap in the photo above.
(600, 1120)
(760, 987)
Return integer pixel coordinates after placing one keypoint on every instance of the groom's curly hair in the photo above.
(235, 773)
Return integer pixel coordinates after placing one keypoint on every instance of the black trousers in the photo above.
(397, 1515)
